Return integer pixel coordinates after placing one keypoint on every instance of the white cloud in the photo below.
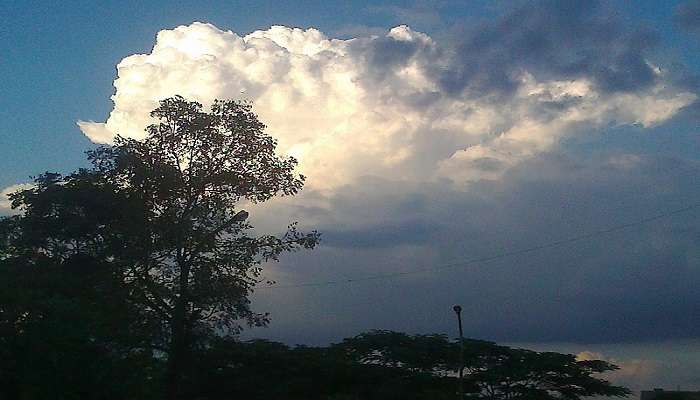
(371, 105)
(635, 372)
(5, 204)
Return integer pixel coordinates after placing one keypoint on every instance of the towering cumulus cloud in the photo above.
(422, 154)
(399, 105)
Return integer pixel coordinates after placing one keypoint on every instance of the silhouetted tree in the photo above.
(392, 365)
(268, 370)
(502, 373)
(421, 353)
(68, 324)
(492, 372)
(162, 217)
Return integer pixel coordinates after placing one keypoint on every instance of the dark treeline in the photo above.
(60, 364)
(131, 280)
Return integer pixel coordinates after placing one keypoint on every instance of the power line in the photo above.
(507, 254)
(682, 171)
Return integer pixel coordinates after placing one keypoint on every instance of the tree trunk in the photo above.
(179, 343)
(176, 357)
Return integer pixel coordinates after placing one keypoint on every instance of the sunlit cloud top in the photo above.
(397, 105)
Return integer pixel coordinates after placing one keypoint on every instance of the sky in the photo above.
(535, 162)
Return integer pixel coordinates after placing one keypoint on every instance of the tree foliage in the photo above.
(393, 365)
(492, 372)
(162, 217)
(502, 373)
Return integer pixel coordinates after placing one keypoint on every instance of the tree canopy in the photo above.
(162, 218)
(394, 365)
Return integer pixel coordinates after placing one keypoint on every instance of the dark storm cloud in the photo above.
(682, 76)
(692, 112)
(383, 56)
(551, 40)
(633, 285)
(688, 15)
(386, 235)
(387, 52)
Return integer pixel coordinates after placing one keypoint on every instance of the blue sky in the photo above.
(478, 128)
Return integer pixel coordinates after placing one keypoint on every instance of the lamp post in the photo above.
(458, 310)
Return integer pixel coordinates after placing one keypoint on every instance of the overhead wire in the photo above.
(479, 260)
(506, 254)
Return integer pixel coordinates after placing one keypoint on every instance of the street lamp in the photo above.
(458, 310)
